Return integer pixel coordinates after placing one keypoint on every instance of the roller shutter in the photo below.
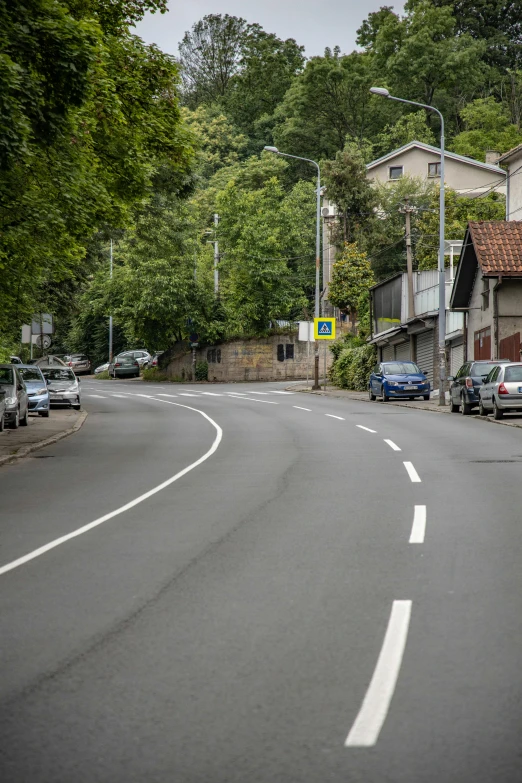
(388, 353)
(425, 353)
(402, 352)
(456, 358)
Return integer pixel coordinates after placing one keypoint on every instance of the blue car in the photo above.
(398, 379)
(37, 391)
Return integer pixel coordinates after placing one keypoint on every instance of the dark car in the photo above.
(2, 409)
(124, 366)
(465, 385)
(398, 379)
(16, 402)
(37, 391)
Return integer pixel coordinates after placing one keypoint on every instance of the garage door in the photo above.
(402, 352)
(456, 358)
(388, 353)
(425, 353)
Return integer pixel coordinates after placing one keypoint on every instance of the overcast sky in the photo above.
(313, 24)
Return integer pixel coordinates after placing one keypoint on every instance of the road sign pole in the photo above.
(325, 366)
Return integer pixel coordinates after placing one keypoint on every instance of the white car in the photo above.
(102, 368)
(142, 357)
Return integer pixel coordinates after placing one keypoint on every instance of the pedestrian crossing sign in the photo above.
(324, 328)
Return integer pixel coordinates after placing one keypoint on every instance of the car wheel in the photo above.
(371, 395)
(136, 375)
(385, 397)
(24, 422)
(77, 407)
(465, 407)
(497, 413)
(482, 410)
(16, 423)
(2, 423)
(45, 414)
(425, 396)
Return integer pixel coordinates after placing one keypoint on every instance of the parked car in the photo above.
(2, 408)
(78, 362)
(465, 385)
(37, 391)
(154, 359)
(398, 379)
(124, 366)
(101, 368)
(15, 360)
(142, 356)
(501, 392)
(48, 361)
(16, 402)
(63, 385)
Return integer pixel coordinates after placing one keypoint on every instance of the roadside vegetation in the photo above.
(115, 140)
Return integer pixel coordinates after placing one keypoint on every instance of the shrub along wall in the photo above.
(353, 363)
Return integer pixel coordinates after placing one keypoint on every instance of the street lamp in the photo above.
(317, 248)
(384, 93)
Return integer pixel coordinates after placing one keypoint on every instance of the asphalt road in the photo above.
(331, 592)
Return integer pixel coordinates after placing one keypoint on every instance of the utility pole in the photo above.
(407, 209)
(216, 255)
(110, 317)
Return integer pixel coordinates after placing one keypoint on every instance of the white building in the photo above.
(513, 162)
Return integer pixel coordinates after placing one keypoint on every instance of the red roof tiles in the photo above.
(498, 246)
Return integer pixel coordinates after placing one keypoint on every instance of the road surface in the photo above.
(233, 584)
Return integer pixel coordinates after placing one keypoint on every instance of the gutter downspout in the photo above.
(495, 313)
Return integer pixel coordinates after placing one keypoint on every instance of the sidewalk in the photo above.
(512, 420)
(40, 432)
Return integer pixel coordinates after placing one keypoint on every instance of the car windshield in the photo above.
(479, 370)
(6, 375)
(30, 374)
(58, 374)
(401, 368)
(124, 359)
(514, 373)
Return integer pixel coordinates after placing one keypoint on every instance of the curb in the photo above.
(47, 442)
(414, 407)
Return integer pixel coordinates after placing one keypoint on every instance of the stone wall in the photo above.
(276, 358)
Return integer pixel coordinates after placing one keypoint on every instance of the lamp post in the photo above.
(317, 249)
(382, 91)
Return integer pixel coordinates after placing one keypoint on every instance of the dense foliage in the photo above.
(103, 137)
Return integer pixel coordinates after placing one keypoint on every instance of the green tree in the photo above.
(487, 127)
(459, 210)
(210, 55)
(352, 277)
(409, 127)
(328, 103)
(348, 187)
(219, 143)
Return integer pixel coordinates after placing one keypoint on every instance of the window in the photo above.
(434, 169)
(485, 293)
(289, 348)
(395, 172)
(514, 373)
(212, 355)
(218, 355)
(463, 372)
(280, 352)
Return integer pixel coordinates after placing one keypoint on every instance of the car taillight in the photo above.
(69, 364)
(502, 389)
(117, 364)
(137, 364)
(469, 383)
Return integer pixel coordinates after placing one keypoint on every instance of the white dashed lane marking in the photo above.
(412, 473)
(302, 409)
(331, 416)
(392, 445)
(367, 429)
(418, 529)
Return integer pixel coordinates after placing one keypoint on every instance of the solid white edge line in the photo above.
(302, 409)
(412, 473)
(392, 445)
(331, 416)
(418, 530)
(374, 709)
(85, 528)
(361, 427)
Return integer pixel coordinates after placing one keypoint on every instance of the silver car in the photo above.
(63, 385)
(16, 400)
(78, 362)
(501, 392)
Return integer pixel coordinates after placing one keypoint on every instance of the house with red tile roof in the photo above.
(488, 290)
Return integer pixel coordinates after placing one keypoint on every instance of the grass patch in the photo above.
(103, 376)
(153, 374)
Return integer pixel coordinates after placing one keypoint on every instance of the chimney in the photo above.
(492, 156)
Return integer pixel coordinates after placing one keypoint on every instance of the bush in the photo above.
(202, 371)
(153, 374)
(352, 367)
(103, 376)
